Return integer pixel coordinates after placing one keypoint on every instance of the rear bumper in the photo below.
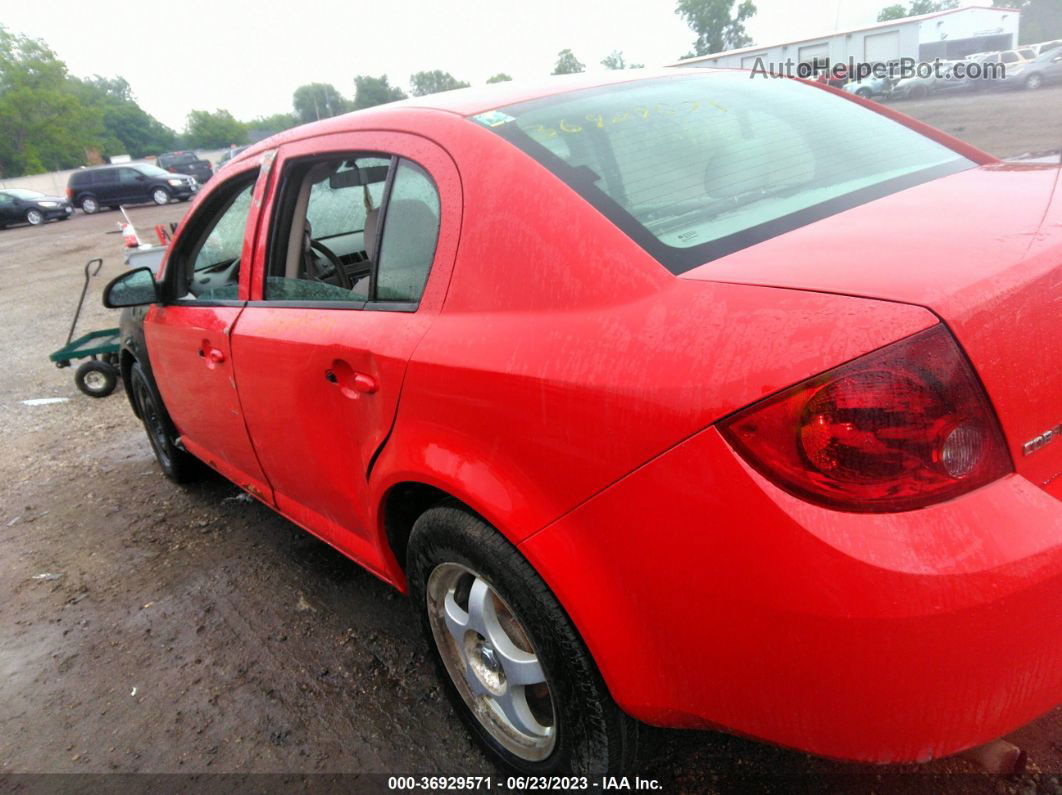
(710, 598)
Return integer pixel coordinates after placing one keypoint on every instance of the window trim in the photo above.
(385, 204)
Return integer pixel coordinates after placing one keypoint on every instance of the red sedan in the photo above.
(690, 399)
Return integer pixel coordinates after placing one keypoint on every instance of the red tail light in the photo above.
(70, 193)
(900, 428)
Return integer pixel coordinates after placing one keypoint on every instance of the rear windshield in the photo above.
(696, 167)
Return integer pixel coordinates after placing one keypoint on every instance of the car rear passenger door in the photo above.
(320, 360)
(205, 283)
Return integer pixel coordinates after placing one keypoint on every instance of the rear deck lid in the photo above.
(983, 250)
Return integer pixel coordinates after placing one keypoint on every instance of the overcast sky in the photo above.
(248, 57)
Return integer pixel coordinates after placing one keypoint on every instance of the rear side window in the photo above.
(411, 228)
(694, 167)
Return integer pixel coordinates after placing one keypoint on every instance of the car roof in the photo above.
(470, 101)
(477, 99)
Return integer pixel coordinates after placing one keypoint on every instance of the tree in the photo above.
(207, 130)
(264, 126)
(718, 25)
(567, 63)
(315, 101)
(371, 91)
(1041, 20)
(433, 82)
(501, 77)
(128, 128)
(44, 125)
(615, 60)
(916, 8)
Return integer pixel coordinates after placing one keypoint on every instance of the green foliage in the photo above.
(207, 130)
(501, 77)
(264, 126)
(615, 60)
(129, 129)
(567, 63)
(916, 8)
(50, 120)
(433, 82)
(1041, 20)
(892, 12)
(315, 101)
(718, 24)
(371, 91)
(43, 125)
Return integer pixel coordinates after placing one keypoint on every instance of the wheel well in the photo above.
(403, 505)
(125, 366)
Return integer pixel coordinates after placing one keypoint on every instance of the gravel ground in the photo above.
(150, 628)
(1004, 123)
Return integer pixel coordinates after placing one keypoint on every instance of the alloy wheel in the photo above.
(491, 660)
(34, 217)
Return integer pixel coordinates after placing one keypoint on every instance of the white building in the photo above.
(948, 35)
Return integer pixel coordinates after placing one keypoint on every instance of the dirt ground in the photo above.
(1004, 123)
(150, 628)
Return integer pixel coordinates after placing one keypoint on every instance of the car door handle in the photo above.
(365, 383)
(352, 384)
(212, 355)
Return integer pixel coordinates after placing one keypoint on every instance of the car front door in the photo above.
(132, 186)
(320, 357)
(205, 282)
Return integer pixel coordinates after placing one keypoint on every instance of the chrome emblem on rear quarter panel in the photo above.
(1042, 440)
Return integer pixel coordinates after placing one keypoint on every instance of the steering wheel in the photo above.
(344, 279)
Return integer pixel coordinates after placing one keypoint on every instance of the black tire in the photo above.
(176, 464)
(864, 93)
(34, 217)
(1034, 82)
(161, 196)
(96, 379)
(89, 205)
(593, 737)
(918, 92)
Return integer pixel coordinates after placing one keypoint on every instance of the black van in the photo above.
(131, 183)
